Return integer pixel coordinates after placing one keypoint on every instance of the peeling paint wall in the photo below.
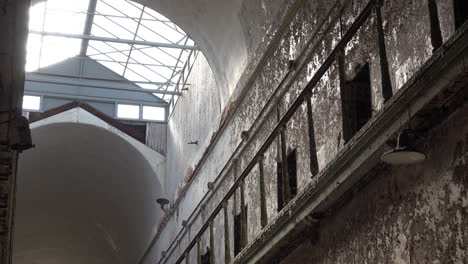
(408, 47)
(195, 118)
(413, 214)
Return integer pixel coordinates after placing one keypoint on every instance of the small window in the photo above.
(32, 103)
(128, 111)
(154, 113)
(357, 103)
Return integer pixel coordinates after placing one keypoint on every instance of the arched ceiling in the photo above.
(84, 195)
(217, 28)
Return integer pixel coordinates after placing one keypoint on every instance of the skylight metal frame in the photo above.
(162, 74)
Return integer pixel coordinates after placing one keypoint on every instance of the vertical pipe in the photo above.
(387, 92)
(436, 34)
(187, 258)
(227, 241)
(312, 146)
(261, 184)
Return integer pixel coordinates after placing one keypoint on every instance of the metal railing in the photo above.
(279, 130)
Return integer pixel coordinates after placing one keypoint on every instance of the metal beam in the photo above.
(88, 26)
(46, 75)
(89, 85)
(124, 41)
(93, 98)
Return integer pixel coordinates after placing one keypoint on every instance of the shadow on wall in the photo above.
(84, 195)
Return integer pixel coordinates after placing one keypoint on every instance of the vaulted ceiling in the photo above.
(226, 31)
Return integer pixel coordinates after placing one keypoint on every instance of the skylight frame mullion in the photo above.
(44, 16)
(151, 57)
(111, 52)
(142, 24)
(174, 71)
(88, 26)
(137, 49)
(120, 62)
(126, 29)
(175, 26)
(139, 64)
(134, 38)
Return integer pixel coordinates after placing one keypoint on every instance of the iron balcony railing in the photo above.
(278, 133)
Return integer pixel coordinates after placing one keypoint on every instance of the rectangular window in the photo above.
(32, 103)
(461, 12)
(128, 111)
(154, 113)
(357, 103)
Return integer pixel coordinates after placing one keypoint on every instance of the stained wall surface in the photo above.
(408, 47)
(409, 214)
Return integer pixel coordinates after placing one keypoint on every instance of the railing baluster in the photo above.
(312, 146)
(198, 251)
(387, 91)
(212, 244)
(261, 184)
(227, 241)
(436, 34)
(243, 215)
(284, 166)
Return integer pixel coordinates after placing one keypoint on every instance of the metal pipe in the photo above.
(124, 41)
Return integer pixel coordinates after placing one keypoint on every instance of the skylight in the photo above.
(130, 39)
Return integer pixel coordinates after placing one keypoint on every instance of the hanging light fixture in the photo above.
(404, 153)
(163, 202)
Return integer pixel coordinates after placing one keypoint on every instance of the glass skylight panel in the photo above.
(128, 111)
(154, 113)
(32, 103)
(53, 50)
(148, 66)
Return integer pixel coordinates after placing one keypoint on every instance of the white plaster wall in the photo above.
(86, 193)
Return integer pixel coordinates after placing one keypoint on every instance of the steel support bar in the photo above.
(88, 26)
(114, 40)
(48, 75)
(98, 86)
(95, 99)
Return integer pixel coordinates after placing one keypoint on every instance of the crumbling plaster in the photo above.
(406, 51)
(408, 214)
